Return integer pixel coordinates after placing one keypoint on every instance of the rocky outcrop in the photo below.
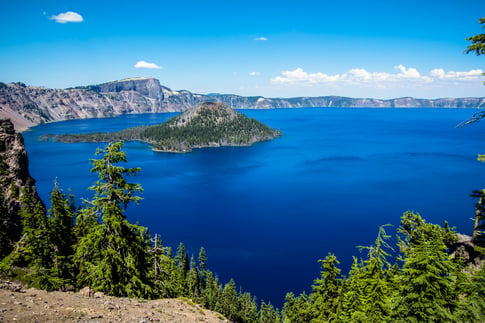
(27, 105)
(468, 250)
(15, 180)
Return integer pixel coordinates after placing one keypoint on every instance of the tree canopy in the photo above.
(478, 42)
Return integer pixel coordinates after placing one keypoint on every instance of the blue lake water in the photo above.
(265, 214)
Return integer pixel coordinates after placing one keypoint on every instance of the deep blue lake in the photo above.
(265, 214)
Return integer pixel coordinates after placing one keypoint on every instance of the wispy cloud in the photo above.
(143, 64)
(261, 38)
(362, 77)
(254, 73)
(66, 17)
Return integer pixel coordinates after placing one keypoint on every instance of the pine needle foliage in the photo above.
(112, 255)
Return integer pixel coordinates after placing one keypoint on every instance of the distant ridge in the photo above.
(28, 105)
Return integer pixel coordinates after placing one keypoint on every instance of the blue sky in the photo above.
(381, 49)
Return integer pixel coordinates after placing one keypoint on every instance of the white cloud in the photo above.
(403, 77)
(408, 72)
(254, 73)
(440, 73)
(143, 64)
(66, 17)
(261, 38)
(300, 76)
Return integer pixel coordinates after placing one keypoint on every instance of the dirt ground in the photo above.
(32, 305)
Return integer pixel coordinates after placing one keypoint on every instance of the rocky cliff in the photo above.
(15, 180)
(28, 105)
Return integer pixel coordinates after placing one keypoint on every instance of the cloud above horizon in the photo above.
(143, 64)
(261, 38)
(66, 17)
(361, 77)
(255, 73)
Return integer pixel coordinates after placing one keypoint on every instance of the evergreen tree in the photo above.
(325, 298)
(182, 260)
(229, 303)
(193, 280)
(163, 269)
(112, 256)
(33, 246)
(472, 309)
(426, 283)
(353, 294)
(202, 265)
(248, 308)
(33, 250)
(212, 294)
(62, 238)
(5, 245)
(268, 314)
(202, 259)
(376, 289)
(478, 42)
(297, 310)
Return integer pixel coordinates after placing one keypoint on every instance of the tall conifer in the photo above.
(426, 292)
(62, 239)
(112, 256)
(376, 290)
(325, 298)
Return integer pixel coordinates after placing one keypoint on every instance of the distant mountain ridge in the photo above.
(28, 105)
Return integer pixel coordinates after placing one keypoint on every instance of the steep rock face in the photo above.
(148, 87)
(27, 105)
(14, 179)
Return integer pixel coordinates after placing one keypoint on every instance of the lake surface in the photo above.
(265, 214)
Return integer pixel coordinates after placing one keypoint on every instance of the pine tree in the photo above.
(297, 310)
(34, 242)
(426, 283)
(113, 256)
(182, 260)
(268, 314)
(5, 244)
(376, 290)
(212, 294)
(353, 294)
(248, 308)
(193, 280)
(163, 269)
(33, 250)
(203, 267)
(62, 238)
(472, 308)
(325, 298)
(229, 303)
